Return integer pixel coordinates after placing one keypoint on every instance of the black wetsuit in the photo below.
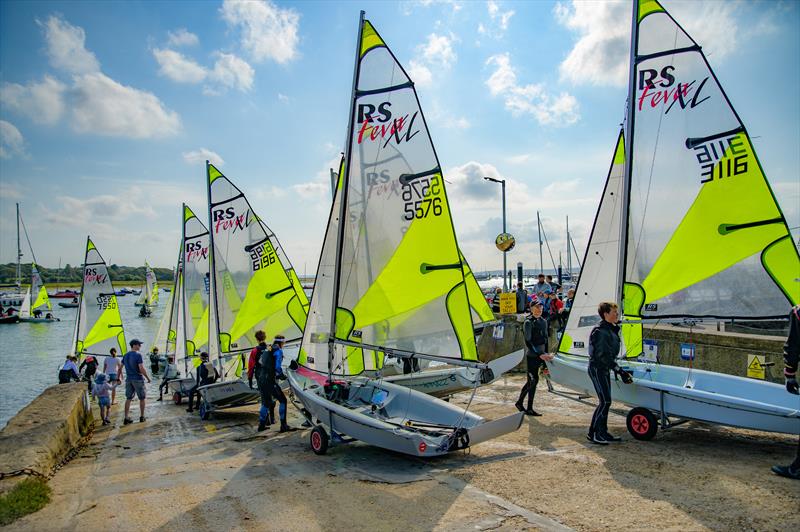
(204, 377)
(604, 344)
(791, 360)
(90, 363)
(535, 332)
(265, 377)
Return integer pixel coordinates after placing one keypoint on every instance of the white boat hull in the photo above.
(446, 381)
(692, 394)
(394, 417)
(228, 394)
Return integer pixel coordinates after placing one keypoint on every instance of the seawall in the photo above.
(719, 351)
(44, 432)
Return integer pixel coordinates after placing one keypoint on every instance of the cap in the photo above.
(536, 303)
(135, 341)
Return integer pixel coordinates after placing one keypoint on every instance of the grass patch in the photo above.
(30, 495)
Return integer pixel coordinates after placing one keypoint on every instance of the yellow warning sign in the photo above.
(755, 366)
(508, 303)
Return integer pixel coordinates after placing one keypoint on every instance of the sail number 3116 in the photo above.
(421, 198)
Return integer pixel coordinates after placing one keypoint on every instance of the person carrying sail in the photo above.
(791, 359)
(604, 345)
(535, 334)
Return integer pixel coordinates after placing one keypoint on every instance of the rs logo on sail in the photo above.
(225, 219)
(659, 89)
(90, 275)
(384, 129)
(196, 251)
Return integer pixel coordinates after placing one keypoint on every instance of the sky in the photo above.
(108, 111)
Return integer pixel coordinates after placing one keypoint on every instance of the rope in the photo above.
(71, 454)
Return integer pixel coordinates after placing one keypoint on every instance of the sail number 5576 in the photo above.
(421, 198)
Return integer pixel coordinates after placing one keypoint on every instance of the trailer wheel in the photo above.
(319, 440)
(176, 398)
(642, 424)
(204, 412)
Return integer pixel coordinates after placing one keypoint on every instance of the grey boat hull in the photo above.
(691, 394)
(394, 417)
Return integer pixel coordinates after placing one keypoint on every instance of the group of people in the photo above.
(265, 366)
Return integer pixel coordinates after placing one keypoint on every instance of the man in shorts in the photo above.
(134, 383)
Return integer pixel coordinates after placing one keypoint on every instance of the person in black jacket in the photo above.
(206, 374)
(791, 358)
(535, 333)
(604, 344)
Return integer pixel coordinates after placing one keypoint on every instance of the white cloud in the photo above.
(201, 156)
(532, 99)
(66, 47)
(283, 98)
(42, 102)
(10, 191)
(12, 142)
(103, 106)
(601, 54)
(182, 37)
(519, 159)
(267, 31)
(320, 187)
(178, 67)
(233, 72)
(419, 73)
(498, 20)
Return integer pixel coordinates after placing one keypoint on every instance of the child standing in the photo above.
(102, 390)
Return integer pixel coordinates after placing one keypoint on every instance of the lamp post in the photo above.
(505, 268)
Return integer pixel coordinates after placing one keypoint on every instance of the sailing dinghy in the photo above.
(390, 280)
(684, 259)
(253, 287)
(98, 324)
(149, 295)
(36, 299)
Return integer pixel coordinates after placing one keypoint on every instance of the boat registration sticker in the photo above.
(687, 351)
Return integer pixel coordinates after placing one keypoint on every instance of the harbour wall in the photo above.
(718, 351)
(43, 433)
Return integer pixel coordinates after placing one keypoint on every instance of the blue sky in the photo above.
(108, 111)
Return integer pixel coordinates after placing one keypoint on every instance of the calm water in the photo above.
(30, 353)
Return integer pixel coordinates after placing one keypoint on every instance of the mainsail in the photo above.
(36, 297)
(255, 286)
(98, 323)
(704, 227)
(167, 336)
(196, 283)
(688, 226)
(149, 293)
(390, 264)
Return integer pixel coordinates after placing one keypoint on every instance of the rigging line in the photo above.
(639, 237)
(25, 229)
(547, 243)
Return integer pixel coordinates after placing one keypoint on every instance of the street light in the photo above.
(503, 184)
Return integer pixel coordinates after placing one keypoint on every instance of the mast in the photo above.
(343, 205)
(182, 294)
(80, 300)
(541, 257)
(626, 178)
(212, 285)
(19, 254)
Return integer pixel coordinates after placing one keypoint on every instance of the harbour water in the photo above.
(31, 353)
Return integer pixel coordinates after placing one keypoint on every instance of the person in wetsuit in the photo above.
(91, 364)
(535, 334)
(604, 345)
(271, 361)
(264, 379)
(206, 374)
(791, 358)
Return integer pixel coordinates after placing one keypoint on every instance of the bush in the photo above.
(30, 495)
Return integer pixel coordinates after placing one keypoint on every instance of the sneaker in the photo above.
(519, 407)
(190, 410)
(786, 471)
(127, 421)
(142, 419)
(108, 421)
(611, 438)
(531, 412)
(159, 399)
(598, 439)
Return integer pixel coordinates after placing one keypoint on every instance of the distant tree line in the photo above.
(72, 274)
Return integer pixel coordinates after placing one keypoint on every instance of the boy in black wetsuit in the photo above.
(535, 333)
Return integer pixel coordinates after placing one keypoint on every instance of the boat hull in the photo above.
(68, 305)
(228, 394)
(39, 320)
(450, 380)
(394, 417)
(692, 394)
(9, 319)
